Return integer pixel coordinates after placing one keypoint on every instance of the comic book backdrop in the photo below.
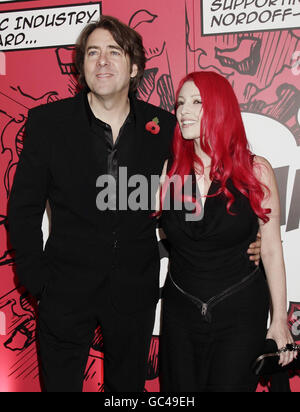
(255, 44)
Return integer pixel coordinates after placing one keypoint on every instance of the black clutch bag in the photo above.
(267, 363)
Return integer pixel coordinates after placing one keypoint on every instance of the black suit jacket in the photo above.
(58, 163)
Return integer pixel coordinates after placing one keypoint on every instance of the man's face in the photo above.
(107, 68)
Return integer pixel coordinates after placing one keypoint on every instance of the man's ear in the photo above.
(134, 71)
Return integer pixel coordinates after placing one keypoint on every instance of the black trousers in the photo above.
(196, 356)
(67, 321)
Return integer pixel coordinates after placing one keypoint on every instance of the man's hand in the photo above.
(254, 249)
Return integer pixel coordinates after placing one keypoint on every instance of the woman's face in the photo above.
(189, 111)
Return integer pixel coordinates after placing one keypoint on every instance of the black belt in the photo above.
(206, 307)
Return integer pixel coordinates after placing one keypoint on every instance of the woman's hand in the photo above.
(254, 250)
(280, 333)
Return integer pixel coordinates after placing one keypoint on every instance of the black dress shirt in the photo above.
(103, 136)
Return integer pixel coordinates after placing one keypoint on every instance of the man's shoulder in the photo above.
(57, 109)
(149, 108)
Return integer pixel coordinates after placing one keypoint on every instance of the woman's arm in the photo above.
(162, 180)
(273, 260)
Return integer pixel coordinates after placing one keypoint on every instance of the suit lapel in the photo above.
(148, 147)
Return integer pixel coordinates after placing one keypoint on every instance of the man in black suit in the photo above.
(98, 266)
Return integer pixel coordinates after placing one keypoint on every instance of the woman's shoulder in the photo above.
(263, 169)
(260, 160)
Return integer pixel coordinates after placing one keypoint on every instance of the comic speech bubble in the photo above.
(45, 27)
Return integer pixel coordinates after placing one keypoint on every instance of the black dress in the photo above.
(216, 300)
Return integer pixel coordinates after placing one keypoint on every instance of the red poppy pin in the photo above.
(153, 126)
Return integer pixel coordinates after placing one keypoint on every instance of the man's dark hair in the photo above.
(128, 39)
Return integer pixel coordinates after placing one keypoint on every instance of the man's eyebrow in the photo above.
(111, 46)
(92, 48)
(115, 46)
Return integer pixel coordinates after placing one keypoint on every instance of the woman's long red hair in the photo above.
(223, 139)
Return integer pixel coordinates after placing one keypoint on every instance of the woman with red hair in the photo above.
(216, 301)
